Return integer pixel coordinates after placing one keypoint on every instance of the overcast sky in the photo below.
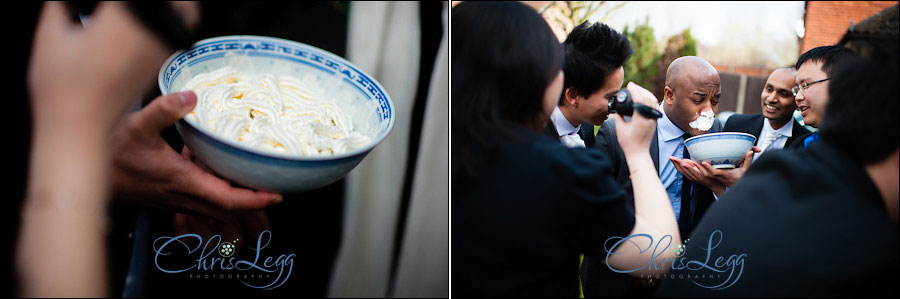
(709, 19)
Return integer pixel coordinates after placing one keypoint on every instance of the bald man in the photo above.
(689, 106)
(774, 129)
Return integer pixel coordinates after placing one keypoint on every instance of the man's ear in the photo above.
(669, 95)
(572, 97)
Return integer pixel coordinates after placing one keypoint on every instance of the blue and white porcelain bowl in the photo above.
(370, 108)
(721, 150)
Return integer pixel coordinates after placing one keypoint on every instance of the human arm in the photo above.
(653, 212)
(79, 81)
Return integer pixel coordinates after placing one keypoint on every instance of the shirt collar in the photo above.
(563, 126)
(667, 129)
(785, 130)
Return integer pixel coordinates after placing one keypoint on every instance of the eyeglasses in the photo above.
(803, 86)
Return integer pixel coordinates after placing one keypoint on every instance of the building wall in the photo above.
(827, 21)
(742, 101)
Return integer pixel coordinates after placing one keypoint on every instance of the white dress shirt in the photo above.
(568, 134)
(771, 139)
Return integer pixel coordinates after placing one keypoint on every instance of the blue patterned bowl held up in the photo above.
(721, 150)
(369, 106)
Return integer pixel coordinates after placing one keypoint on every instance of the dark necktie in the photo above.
(684, 218)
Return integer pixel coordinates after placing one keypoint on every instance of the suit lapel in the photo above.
(586, 132)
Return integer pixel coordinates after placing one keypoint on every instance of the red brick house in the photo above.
(827, 21)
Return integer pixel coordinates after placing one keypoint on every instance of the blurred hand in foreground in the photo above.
(81, 81)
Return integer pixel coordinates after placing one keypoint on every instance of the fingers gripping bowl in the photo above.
(338, 83)
(721, 150)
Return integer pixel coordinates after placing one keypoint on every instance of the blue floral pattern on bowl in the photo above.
(721, 150)
(266, 170)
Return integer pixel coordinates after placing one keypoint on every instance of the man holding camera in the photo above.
(593, 72)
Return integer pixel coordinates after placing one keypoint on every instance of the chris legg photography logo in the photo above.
(215, 259)
(719, 274)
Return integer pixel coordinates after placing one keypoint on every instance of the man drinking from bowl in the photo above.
(691, 99)
(811, 95)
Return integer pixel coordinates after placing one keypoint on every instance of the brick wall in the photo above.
(827, 21)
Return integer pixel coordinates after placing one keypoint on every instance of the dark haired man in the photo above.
(811, 90)
(593, 71)
(822, 222)
(774, 129)
(814, 68)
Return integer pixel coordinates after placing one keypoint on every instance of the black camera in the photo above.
(621, 104)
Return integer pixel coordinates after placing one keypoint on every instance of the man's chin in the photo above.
(697, 132)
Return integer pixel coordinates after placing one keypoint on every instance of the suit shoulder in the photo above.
(740, 122)
(798, 128)
(607, 128)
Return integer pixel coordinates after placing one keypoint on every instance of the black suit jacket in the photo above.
(586, 132)
(521, 220)
(597, 279)
(781, 214)
(753, 124)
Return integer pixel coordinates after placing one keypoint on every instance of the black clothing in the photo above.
(810, 223)
(597, 279)
(753, 124)
(521, 221)
(586, 132)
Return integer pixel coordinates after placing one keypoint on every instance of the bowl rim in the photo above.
(721, 133)
(274, 155)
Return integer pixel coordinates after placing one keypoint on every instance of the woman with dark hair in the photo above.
(526, 206)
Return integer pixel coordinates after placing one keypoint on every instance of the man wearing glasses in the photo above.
(811, 89)
(811, 97)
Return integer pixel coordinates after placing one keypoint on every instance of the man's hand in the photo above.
(635, 135)
(713, 178)
(694, 172)
(146, 171)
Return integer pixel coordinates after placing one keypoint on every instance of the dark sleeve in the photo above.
(600, 206)
(605, 141)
